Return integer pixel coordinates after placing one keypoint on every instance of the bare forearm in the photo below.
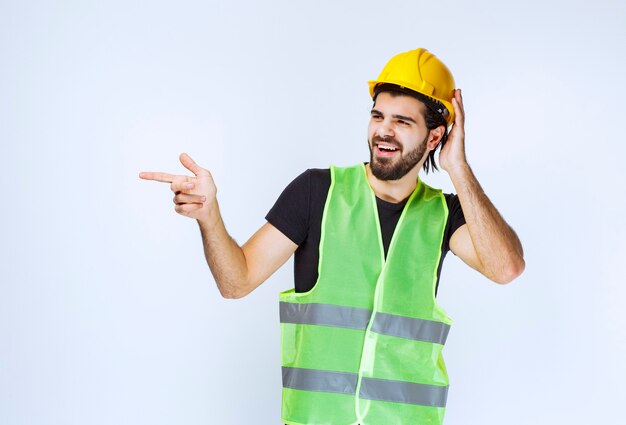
(224, 256)
(498, 248)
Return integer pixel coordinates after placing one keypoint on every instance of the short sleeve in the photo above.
(456, 219)
(290, 213)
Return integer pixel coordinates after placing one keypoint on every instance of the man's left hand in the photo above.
(453, 152)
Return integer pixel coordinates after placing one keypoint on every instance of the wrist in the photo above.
(459, 169)
(211, 216)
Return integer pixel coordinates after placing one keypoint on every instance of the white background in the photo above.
(108, 313)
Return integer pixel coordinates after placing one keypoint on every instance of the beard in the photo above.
(394, 168)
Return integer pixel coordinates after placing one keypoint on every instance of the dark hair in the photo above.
(432, 116)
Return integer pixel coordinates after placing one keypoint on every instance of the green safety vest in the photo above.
(364, 345)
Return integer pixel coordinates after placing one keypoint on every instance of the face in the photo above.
(397, 136)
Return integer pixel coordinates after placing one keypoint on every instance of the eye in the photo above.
(404, 123)
(376, 117)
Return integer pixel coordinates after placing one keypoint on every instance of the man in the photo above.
(362, 333)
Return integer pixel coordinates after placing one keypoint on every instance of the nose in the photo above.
(385, 129)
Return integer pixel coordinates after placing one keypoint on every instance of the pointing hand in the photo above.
(193, 195)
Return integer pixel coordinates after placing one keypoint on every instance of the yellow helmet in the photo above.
(422, 72)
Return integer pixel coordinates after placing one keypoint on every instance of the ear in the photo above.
(434, 137)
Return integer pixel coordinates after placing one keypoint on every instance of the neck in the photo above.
(393, 190)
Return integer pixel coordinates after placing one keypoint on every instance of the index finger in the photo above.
(459, 109)
(157, 176)
(458, 96)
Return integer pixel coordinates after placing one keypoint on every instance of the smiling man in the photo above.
(362, 333)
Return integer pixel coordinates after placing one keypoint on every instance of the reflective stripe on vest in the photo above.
(358, 318)
(404, 392)
(371, 389)
(319, 380)
(364, 345)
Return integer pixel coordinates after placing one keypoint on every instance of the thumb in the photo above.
(191, 165)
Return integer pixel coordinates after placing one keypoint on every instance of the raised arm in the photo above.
(486, 242)
(237, 270)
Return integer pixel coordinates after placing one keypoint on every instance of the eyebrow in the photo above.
(396, 116)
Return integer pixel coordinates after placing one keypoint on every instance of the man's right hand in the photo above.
(237, 270)
(193, 195)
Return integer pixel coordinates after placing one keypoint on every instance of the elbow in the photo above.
(229, 295)
(511, 272)
(234, 293)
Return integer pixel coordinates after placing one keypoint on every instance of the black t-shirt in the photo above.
(298, 215)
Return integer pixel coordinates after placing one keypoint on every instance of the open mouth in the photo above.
(384, 149)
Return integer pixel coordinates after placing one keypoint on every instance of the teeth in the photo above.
(387, 148)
